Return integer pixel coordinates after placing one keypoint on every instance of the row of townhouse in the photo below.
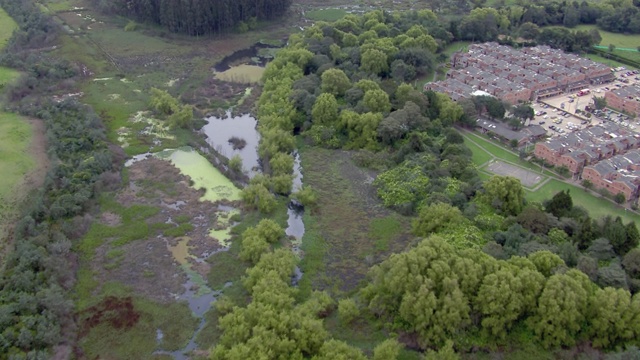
(620, 174)
(587, 148)
(516, 76)
(626, 98)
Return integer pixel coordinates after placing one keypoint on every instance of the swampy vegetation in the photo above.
(281, 190)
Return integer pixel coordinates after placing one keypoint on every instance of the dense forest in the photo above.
(198, 17)
(493, 269)
(36, 313)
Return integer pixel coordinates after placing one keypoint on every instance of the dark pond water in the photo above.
(220, 130)
(252, 55)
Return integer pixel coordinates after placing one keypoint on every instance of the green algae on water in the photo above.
(203, 174)
(222, 231)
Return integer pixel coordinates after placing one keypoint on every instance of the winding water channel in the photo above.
(197, 294)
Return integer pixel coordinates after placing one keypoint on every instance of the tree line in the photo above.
(197, 17)
(36, 313)
(335, 84)
(437, 293)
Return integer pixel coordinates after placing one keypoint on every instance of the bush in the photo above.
(347, 310)
(131, 26)
(235, 164)
(306, 196)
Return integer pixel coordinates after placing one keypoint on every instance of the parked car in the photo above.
(584, 122)
(552, 127)
(541, 123)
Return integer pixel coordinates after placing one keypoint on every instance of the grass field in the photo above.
(352, 231)
(497, 151)
(15, 160)
(619, 40)
(326, 14)
(455, 46)
(596, 205)
(608, 62)
(7, 25)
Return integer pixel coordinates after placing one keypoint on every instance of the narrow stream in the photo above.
(219, 131)
(295, 226)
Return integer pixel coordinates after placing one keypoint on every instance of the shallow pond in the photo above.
(220, 130)
(242, 74)
(255, 54)
(204, 175)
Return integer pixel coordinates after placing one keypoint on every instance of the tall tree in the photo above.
(505, 193)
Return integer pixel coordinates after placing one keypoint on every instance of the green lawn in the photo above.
(499, 151)
(7, 25)
(455, 46)
(619, 40)
(608, 62)
(597, 207)
(15, 160)
(326, 14)
(60, 5)
(478, 155)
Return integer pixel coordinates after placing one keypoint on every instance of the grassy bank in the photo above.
(15, 162)
(619, 40)
(596, 205)
(483, 150)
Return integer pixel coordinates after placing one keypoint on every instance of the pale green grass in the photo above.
(596, 206)
(15, 161)
(500, 152)
(60, 5)
(608, 62)
(478, 155)
(326, 14)
(7, 25)
(619, 40)
(455, 46)
(7, 75)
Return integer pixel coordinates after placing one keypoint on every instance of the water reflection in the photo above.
(242, 129)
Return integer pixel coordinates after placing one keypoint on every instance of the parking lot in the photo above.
(558, 114)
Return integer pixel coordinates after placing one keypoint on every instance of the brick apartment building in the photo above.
(619, 174)
(626, 98)
(518, 76)
(587, 146)
(592, 152)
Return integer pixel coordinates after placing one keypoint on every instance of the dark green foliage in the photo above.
(35, 283)
(198, 18)
(631, 263)
(612, 275)
(560, 204)
(601, 249)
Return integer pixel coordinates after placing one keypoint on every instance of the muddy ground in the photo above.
(147, 265)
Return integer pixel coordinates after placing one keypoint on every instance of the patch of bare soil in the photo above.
(118, 312)
(147, 265)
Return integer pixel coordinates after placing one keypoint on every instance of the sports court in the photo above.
(528, 178)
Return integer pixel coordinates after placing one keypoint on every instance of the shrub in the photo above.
(347, 310)
(131, 26)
